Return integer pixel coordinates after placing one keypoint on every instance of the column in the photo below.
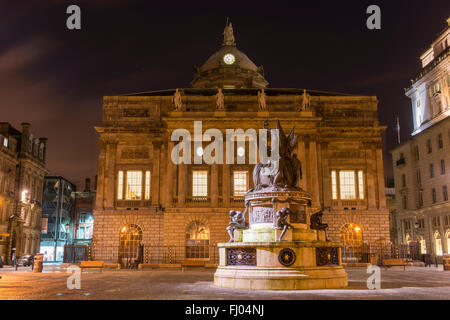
(327, 201)
(314, 174)
(380, 176)
(370, 178)
(214, 185)
(181, 184)
(170, 167)
(154, 182)
(110, 181)
(101, 175)
(226, 185)
(302, 157)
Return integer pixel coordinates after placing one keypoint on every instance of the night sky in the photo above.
(55, 78)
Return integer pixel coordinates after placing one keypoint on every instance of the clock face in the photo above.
(228, 58)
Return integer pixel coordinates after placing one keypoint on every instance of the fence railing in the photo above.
(375, 254)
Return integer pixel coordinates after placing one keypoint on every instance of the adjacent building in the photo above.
(22, 171)
(148, 205)
(83, 217)
(422, 164)
(57, 217)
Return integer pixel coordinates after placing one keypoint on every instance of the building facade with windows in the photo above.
(22, 171)
(422, 164)
(83, 217)
(57, 217)
(144, 200)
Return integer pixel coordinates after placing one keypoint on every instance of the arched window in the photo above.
(423, 245)
(448, 241)
(130, 248)
(351, 235)
(437, 243)
(197, 241)
(407, 238)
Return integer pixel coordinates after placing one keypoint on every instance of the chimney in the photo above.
(25, 140)
(87, 185)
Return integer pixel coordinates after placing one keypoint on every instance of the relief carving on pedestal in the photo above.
(298, 214)
(261, 215)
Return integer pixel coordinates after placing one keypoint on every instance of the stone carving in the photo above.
(316, 223)
(281, 222)
(135, 113)
(327, 256)
(237, 221)
(289, 167)
(286, 257)
(298, 214)
(262, 100)
(134, 154)
(241, 257)
(220, 100)
(177, 102)
(228, 35)
(306, 100)
(262, 215)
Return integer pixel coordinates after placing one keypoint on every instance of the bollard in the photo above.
(38, 262)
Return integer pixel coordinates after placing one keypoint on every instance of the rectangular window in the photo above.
(430, 149)
(442, 166)
(240, 183)
(431, 171)
(440, 142)
(445, 194)
(81, 233)
(433, 195)
(437, 221)
(416, 153)
(419, 177)
(200, 183)
(403, 180)
(361, 184)
(147, 185)
(420, 198)
(134, 185)
(333, 185)
(404, 202)
(120, 186)
(347, 184)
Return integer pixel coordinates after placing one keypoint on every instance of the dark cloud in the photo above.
(55, 78)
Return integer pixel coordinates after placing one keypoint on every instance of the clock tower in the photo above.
(229, 68)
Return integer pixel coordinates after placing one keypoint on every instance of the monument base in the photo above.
(286, 265)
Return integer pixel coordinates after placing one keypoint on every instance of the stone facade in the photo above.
(338, 133)
(422, 164)
(22, 171)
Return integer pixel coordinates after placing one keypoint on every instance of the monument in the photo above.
(285, 247)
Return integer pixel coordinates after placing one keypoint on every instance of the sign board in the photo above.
(4, 234)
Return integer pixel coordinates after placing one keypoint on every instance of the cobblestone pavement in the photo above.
(414, 283)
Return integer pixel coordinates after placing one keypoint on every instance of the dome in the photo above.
(229, 68)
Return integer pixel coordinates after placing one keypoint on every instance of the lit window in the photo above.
(240, 182)
(134, 185)
(347, 184)
(120, 186)
(360, 184)
(147, 185)
(438, 244)
(5, 142)
(199, 183)
(333, 185)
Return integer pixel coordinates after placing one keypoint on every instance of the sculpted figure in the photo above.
(228, 36)
(282, 223)
(316, 223)
(297, 168)
(177, 100)
(305, 100)
(237, 221)
(262, 100)
(220, 100)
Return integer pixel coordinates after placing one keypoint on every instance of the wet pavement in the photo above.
(414, 283)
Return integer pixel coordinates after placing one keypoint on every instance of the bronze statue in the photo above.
(289, 166)
(316, 223)
(282, 223)
(237, 221)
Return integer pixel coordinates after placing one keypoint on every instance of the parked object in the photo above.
(25, 261)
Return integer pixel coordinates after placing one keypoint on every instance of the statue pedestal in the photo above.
(238, 235)
(220, 113)
(302, 260)
(263, 114)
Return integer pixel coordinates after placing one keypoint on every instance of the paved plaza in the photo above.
(414, 283)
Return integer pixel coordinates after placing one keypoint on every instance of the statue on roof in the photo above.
(228, 36)
(262, 100)
(220, 100)
(306, 100)
(177, 102)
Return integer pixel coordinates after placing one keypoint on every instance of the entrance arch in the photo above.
(130, 245)
(437, 244)
(351, 235)
(197, 241)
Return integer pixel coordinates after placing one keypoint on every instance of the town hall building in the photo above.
(149, 209)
